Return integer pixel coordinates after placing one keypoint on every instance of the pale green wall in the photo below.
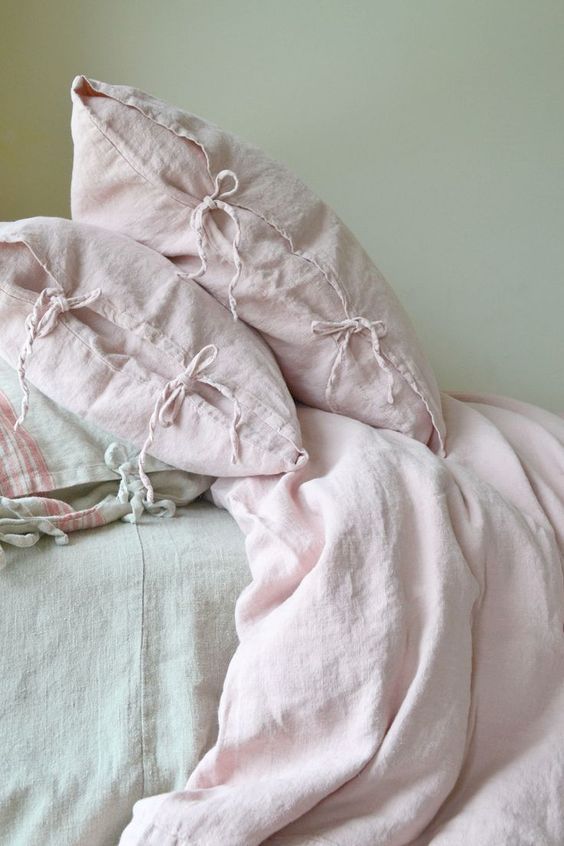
(435, 129)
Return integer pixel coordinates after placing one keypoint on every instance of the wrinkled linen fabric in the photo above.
(400, 672)
(100, 324)
(114, 650)
(263, 244)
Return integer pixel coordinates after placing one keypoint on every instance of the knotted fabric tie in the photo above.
(216, 200)
(42, 319)
(169, 403)
(345, 329)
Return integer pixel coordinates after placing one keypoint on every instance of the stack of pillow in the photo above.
(199, 290)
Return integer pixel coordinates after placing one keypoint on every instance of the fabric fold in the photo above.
(400, 642)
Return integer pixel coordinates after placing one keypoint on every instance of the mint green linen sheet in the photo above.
(114, 651)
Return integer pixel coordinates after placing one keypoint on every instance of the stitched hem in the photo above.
(142, 664)
(414, 385)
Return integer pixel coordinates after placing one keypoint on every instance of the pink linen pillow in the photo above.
(55, 450)
(100, 324)
(260, 241)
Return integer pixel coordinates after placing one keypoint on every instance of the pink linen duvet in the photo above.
(399, 678)
(400, 673)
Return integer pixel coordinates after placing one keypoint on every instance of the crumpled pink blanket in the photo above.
(400, 673)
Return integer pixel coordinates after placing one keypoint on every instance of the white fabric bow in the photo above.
(169, 403)
(345, 329)
(216, 200)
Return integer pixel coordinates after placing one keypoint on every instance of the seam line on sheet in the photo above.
(142, 662)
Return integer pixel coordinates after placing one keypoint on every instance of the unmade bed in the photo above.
(261, 581)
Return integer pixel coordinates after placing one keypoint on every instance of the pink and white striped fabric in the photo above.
(23, 469)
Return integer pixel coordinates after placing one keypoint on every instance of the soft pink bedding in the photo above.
(400, 673)
(399, 679)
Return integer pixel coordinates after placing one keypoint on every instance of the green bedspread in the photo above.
(114, 649)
